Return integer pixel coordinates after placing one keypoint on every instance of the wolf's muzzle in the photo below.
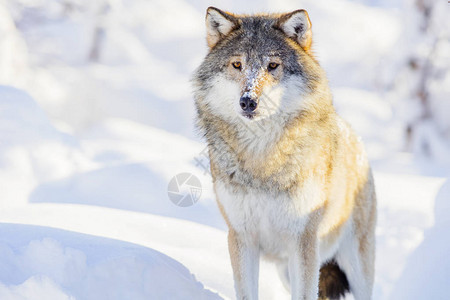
(248, 104)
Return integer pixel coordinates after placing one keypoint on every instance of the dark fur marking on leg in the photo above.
(333, 283)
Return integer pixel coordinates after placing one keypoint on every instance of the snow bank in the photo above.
(44, 263)
(119, 163)
(201, 248)
(32, 151)
(427, 271)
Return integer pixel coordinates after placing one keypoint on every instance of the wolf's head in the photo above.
(258, 66)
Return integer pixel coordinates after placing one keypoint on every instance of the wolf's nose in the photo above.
(248, 104)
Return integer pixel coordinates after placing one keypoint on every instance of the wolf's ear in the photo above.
(218, 25)
(297, 26)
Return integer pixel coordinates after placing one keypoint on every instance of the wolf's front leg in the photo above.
(304, 268)
(244, 253)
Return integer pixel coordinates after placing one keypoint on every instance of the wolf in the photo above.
(291, 178)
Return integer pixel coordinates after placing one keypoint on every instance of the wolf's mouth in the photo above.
(249, 116)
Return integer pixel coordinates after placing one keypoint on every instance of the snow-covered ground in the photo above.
(88, 146)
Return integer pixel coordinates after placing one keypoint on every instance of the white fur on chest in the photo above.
(274, 222)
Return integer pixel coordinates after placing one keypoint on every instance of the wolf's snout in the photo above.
(248, 104)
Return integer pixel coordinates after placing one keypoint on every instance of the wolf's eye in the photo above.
(237, 65)
(272, 66)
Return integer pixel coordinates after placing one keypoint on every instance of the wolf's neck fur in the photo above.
(271, 152)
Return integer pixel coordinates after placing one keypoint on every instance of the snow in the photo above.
(427, 269)
(89, 145)
(45, 263)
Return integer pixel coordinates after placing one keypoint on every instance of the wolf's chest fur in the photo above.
(271, 197)
(274, 162)
(273, 221)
